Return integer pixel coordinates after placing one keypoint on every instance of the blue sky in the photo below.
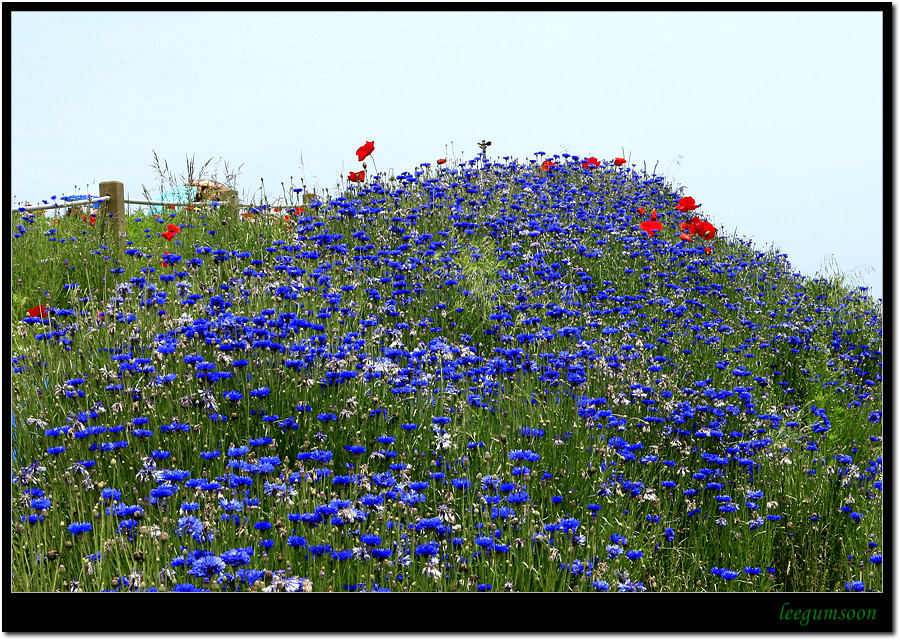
(773, 121)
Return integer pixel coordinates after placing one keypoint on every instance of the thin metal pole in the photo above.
(61, 205)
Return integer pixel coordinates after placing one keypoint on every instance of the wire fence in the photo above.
(112, 205)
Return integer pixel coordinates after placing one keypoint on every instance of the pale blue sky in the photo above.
(775, 118)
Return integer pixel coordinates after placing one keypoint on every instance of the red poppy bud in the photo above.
(441, 160)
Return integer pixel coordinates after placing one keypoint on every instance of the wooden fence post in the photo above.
(231, 211)
(114, 207)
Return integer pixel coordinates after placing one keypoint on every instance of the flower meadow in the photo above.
(548, 375)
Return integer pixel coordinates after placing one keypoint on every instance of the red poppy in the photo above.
(687, 204)
(590, 163)
(174, 228)
(357, 176)
(441, 160)
(651, 226)
(546, 164)
(39, 311)
(687, 236)
(364, 151)
(701, 227)
(619, 161)
(707, 250)
(705, 230)
(168, 235)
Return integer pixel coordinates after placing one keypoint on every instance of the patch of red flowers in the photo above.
(701, 227)
(39, 311)
(93, 219)
(365, 151)
(357, 176)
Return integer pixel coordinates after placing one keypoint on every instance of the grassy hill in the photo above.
(473, 376)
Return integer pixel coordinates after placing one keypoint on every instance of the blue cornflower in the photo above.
(725, 574)
(461, 483)
(634, 554)
(236, 557)
(191, 525)
(518, 497)
(77, 528)
(855, 585)
(231, 505)
(430, 549)
(524, 454)
(40, 503)
(427, 523)
(370, 539)
(207, 566)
